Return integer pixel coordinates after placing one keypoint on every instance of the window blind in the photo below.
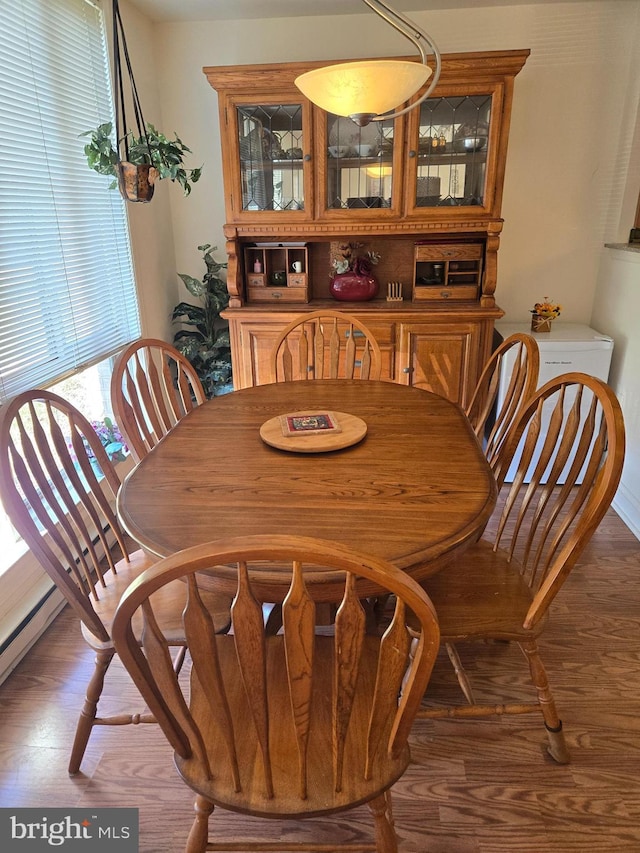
(67, 290)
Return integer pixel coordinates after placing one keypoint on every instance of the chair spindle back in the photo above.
(326, 345)
(523, 351)
(51, 491)
(304, 696)
(153, 386)
(565, 481)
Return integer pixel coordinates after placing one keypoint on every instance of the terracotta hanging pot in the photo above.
(136, 180)
(353, 287)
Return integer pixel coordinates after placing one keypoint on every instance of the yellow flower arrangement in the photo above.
(547, 309)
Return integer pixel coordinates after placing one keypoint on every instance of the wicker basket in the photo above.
(539, 323)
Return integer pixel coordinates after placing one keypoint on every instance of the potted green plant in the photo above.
(149, 159)
(206, 344)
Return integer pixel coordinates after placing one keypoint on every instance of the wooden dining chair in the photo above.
(290, 726)
(491, 422)
(501, 588)
(153, 386)
(63, 509)
(325, 345)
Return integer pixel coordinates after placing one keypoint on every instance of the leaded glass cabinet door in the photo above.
(452, 151)
(273, 175)
(358, 168)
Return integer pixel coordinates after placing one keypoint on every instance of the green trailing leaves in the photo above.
(167, 155)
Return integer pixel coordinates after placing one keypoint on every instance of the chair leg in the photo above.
(386, 840)
(557, 745)
(461, 675)
(199, 834)
(89, 710)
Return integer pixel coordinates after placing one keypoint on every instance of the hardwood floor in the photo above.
(480, 786)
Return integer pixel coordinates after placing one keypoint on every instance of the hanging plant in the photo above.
(136, 161)
(162, 157)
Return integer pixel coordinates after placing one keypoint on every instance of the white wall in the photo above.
(616, 312)
(616, 307)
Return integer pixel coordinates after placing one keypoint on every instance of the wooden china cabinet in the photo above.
(424, 191)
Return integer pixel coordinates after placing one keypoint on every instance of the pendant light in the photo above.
(368, 90)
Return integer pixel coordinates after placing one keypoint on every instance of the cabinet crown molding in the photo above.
(481, 66)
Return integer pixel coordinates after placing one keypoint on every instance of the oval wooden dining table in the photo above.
(415, 489)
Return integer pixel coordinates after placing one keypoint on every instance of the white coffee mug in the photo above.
(296, 266)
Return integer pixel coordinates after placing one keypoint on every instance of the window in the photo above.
(67, 292)
(88, 391)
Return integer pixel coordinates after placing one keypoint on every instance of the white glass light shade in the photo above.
(369, 87)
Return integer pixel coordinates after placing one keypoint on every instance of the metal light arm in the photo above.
(406, 27)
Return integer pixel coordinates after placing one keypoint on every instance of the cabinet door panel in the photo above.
(252, 355)
(441, 359)
(453, 142)
(358, 169)
(268, 169)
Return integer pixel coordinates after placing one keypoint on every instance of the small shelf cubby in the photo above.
(448, 271)
(276, 272)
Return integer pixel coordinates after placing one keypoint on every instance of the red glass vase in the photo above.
(352, 287)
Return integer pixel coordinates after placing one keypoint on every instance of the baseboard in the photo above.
(30, 632)
(41, 603)
(628, 508)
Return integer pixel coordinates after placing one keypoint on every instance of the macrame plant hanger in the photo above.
(135, 180)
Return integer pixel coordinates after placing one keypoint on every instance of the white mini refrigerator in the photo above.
(568, 347)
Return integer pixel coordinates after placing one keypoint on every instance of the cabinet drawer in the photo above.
(382, 332)
(277, 294)
(466, 293)
(296, 280)
(448, 252)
